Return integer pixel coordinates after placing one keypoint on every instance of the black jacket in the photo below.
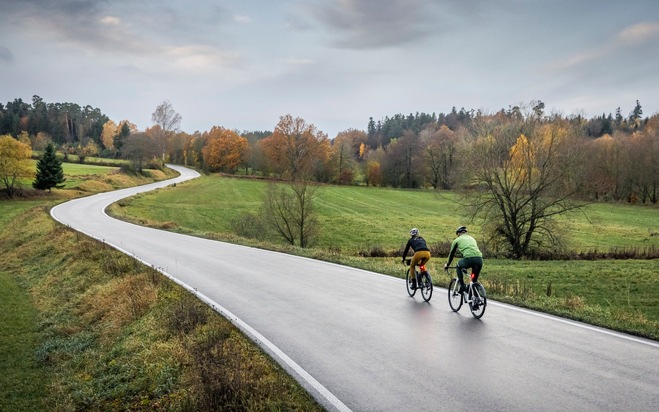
(417, 243)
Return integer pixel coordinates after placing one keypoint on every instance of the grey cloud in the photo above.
(6, 55)
(141, 28)
(358, 24)
(74, 22)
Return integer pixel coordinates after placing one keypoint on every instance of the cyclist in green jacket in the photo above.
(471, 255)
(421, 253)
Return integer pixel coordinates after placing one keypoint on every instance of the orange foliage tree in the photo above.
(225, 150)
(295, 148)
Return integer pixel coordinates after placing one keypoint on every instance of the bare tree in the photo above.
(169, 122)
(524, 182)
(290, 211)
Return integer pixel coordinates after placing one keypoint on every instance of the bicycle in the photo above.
(474, 295)
(423, 281)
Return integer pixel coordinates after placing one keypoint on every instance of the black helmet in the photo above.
(461, 229)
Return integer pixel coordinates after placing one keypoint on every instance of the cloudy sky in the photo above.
(242, 64)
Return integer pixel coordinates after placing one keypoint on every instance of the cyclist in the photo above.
(471, 255)
(421, 253)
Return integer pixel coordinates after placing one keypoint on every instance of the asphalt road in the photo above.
(357, 341)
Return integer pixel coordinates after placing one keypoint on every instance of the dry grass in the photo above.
(116, 335)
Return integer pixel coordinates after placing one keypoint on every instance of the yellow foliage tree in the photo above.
(107, 135)
(225, 150)
(14, 162)
(521, 161)
(24, 137)
(373, 174)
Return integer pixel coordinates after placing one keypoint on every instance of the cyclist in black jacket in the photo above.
(421, 253)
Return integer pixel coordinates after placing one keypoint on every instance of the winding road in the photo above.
(356, 341)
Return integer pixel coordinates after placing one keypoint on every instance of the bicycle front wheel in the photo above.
(454, 295)
(426, 286)
(408, 281)
(479, 303)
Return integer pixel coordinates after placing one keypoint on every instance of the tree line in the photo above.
(407, 151)
(521, 166)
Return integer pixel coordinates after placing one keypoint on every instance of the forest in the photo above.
(610, 157)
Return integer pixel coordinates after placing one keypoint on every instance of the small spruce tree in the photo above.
(49, 171)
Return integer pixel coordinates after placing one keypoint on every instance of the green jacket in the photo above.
(467, 245)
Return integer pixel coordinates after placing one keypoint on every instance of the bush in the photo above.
(250, 225)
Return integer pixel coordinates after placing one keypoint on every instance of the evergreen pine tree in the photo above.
(49, 171)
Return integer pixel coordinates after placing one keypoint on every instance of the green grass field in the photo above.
(75, 174)
(619, 294)
(353, 218)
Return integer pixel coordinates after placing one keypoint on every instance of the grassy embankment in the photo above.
(84, 327)
(618, 294)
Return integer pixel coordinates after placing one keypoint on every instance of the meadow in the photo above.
(356, 218)
(619, 294)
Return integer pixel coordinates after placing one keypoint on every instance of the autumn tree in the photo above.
(49, 171)
(182, 149)
(373, 173)
(87, 147)
(403, 164)
(295, 147)
(524, 184)
(290, 211)
(40, 141)
(346, 149)
(108, 134)
(225, 150)
(644, 169)
(14, 163)
(123, 131)
(440, 146)
(140, 148)
(607, 167)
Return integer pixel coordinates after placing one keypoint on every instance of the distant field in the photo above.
(75, 173)
(354, 218)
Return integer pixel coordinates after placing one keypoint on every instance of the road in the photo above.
(356, 341)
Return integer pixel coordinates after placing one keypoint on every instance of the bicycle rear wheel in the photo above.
(479, 303)
(426, 286)
(454, 295)
(408, 282)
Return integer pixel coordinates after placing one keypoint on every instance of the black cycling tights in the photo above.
(475, 263)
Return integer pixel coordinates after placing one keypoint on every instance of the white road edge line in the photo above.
(579, 324)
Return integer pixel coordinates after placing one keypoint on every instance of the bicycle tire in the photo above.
(408, 283)
(478, 311)
(454, 295)
(426, 286)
